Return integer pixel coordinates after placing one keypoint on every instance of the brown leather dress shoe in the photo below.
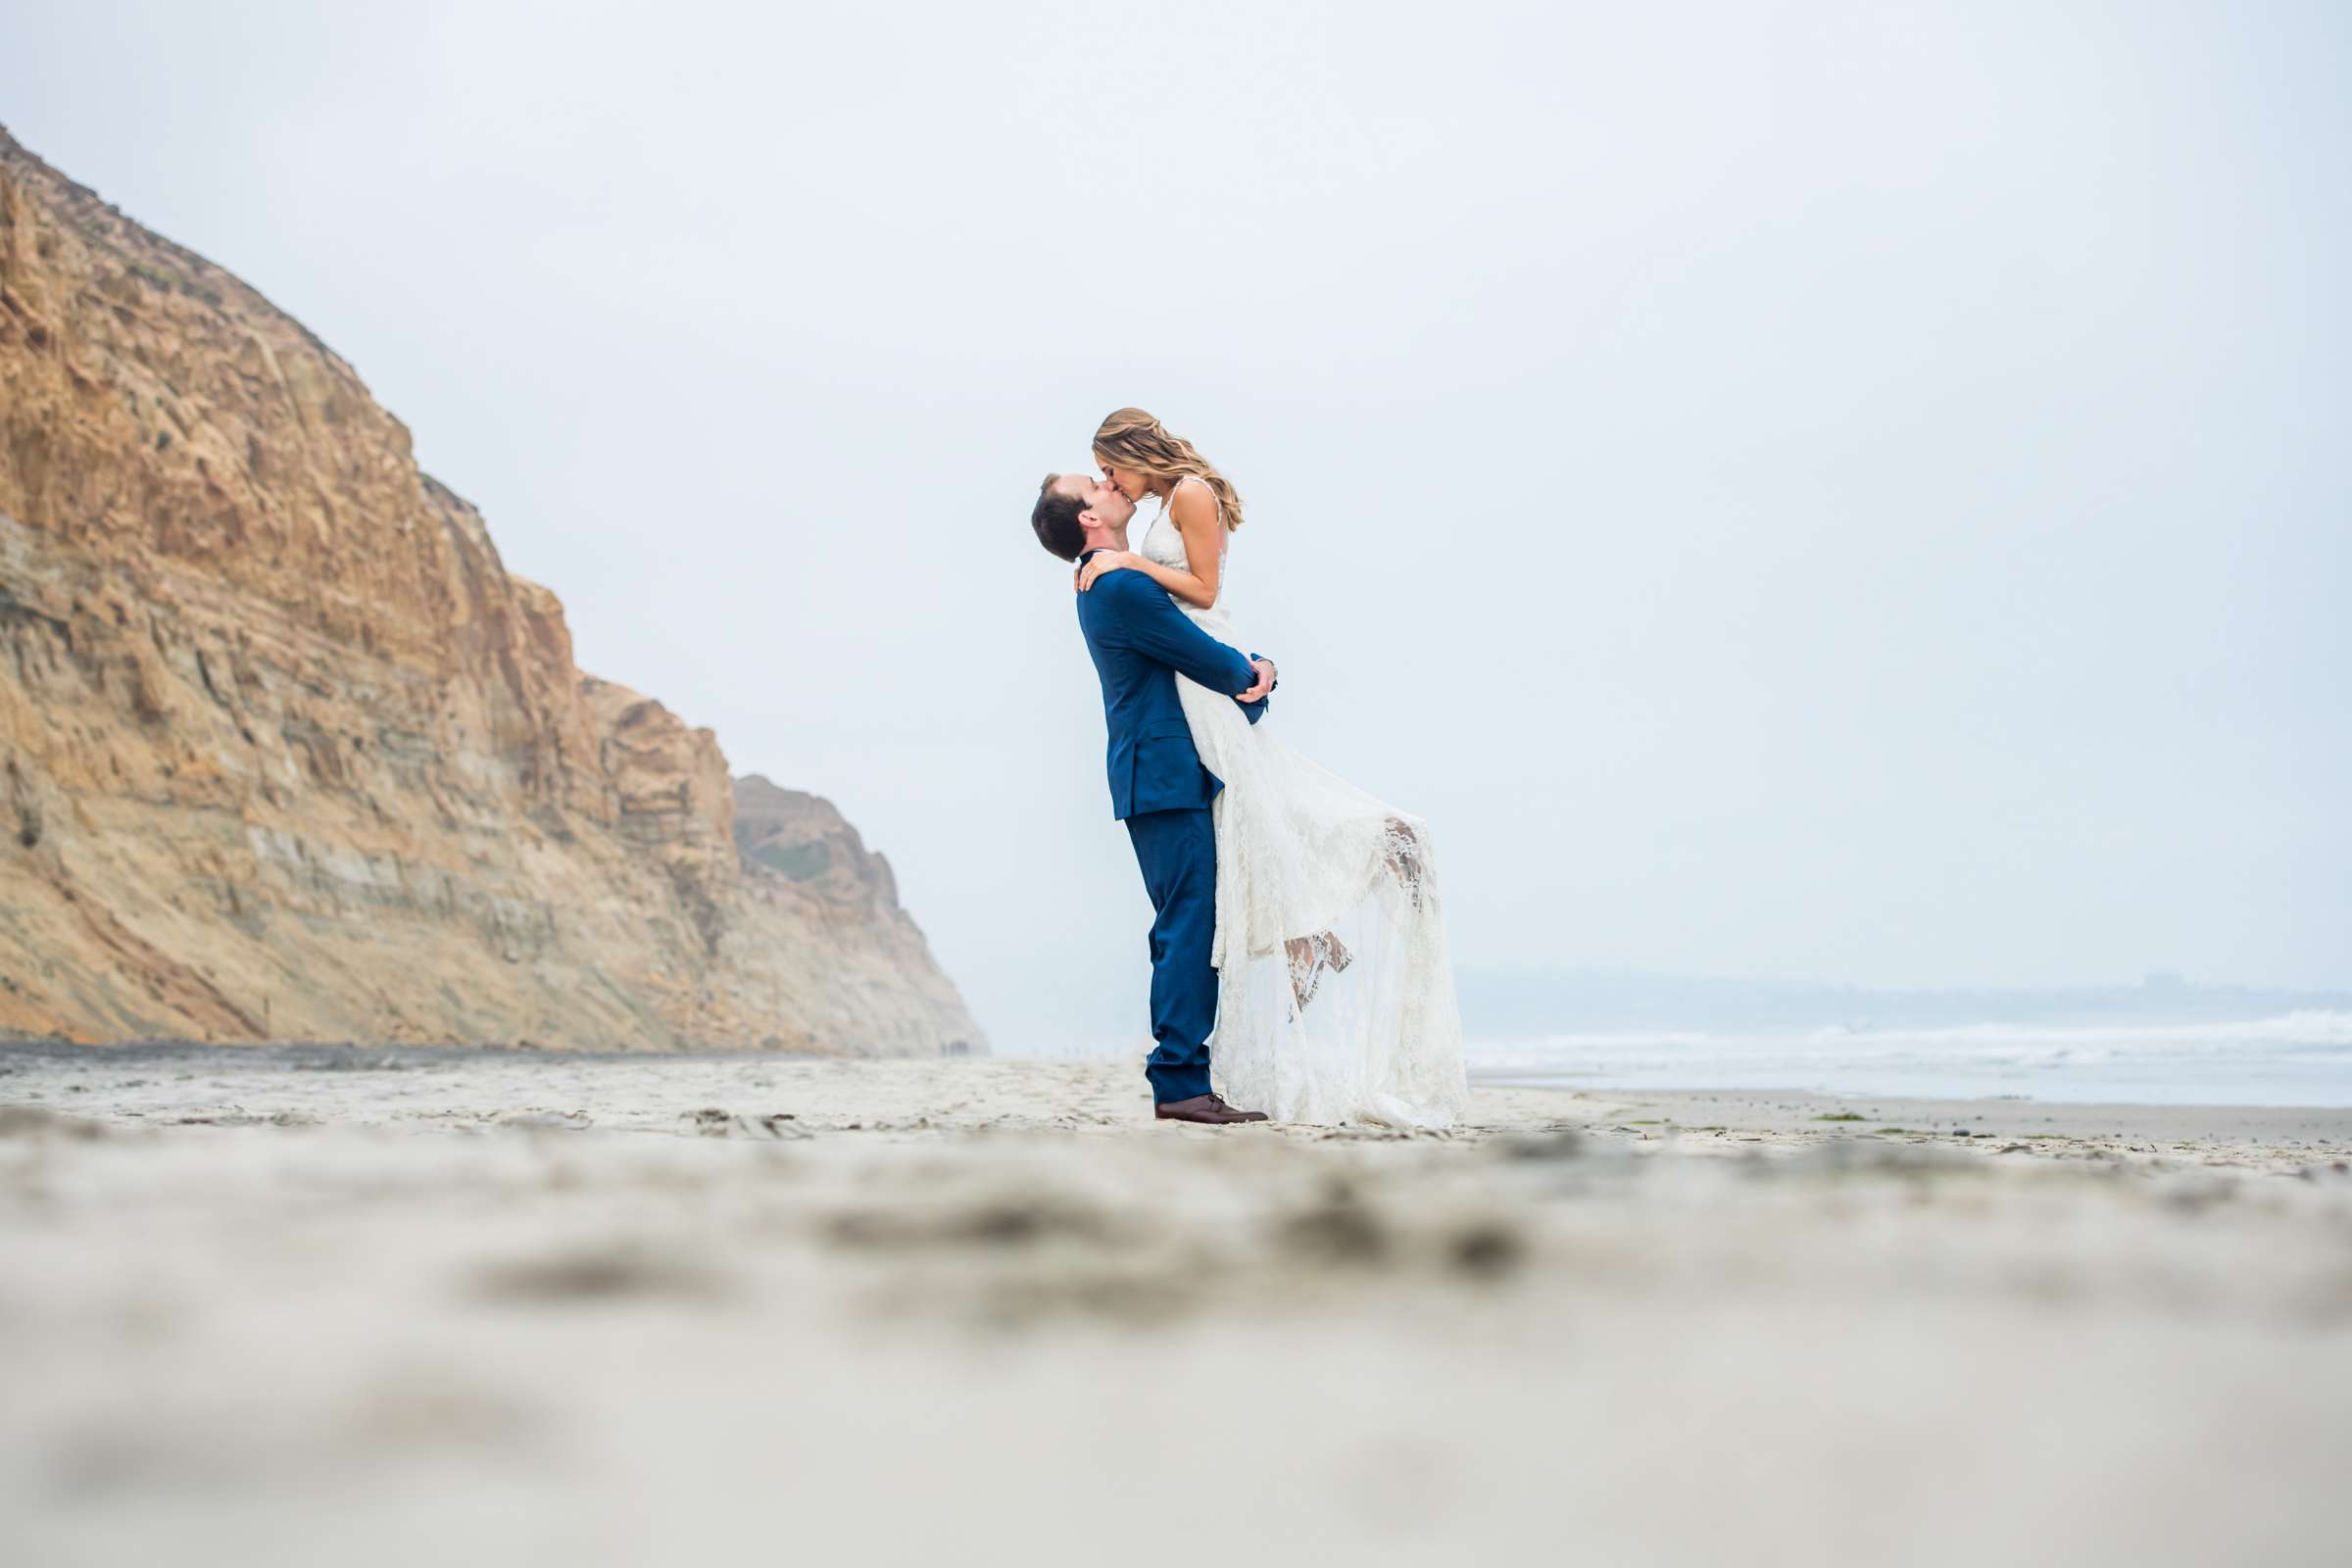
(1210, 1108)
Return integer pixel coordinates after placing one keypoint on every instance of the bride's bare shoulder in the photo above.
(1191, 502)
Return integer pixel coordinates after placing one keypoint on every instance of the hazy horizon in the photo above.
(1832, 496)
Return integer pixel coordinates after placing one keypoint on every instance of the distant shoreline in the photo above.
(2300, 1058)
(1500, 1002)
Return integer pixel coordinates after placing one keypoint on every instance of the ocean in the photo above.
(2295, 1059)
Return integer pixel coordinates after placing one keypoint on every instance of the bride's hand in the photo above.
(1105, 560)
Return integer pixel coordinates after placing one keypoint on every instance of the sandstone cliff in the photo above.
(286, 754)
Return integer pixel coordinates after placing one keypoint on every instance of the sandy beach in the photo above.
(299, 1305)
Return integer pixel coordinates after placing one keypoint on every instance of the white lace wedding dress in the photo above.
(1334, 990)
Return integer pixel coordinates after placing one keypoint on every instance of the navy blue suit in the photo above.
(1141, 642)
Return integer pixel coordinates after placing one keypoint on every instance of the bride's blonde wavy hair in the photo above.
(1133, 439)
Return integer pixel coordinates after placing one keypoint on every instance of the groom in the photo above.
(1141, 642)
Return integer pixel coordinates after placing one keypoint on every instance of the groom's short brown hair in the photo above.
(1055, 519)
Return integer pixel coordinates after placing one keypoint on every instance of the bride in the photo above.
(1335, 992)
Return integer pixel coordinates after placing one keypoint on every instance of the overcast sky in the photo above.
(1852, 493)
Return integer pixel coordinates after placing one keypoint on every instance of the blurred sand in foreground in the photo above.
(369, 1306)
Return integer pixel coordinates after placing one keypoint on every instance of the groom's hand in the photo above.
(1265, 681)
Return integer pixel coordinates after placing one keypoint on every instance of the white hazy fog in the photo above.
(1804, 491)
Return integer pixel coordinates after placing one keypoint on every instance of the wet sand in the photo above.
(388, 1306)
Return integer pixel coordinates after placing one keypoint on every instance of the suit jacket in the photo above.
(1141, 642)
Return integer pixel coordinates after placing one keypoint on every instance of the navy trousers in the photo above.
(1178, 853)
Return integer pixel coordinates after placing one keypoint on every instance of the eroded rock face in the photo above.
(286, 754)
(802, 838)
